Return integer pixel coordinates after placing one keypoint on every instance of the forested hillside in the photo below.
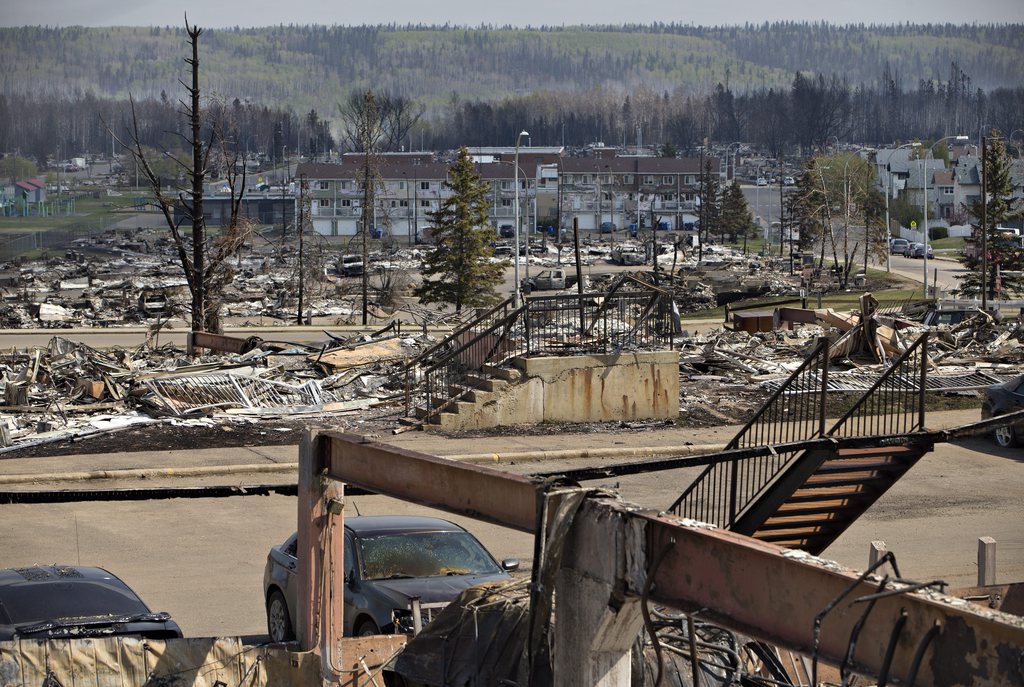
(314, 66)
(776, 85)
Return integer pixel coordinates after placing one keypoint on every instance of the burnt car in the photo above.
(1005, 398)
(69, 602)
(389, 561)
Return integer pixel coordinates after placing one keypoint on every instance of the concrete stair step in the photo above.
(508, 374)
(485, 383)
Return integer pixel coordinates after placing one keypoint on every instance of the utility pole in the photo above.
(700, 215)
(303, 199)
(984, 228)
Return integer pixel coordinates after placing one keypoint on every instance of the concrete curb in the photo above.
(273, 468)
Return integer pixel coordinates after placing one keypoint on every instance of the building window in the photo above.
(424, 203)
(424, 185)
(344, 185)
(394, 204)
(401, 185)
(947, 190)
(324, 202)
(648, 179)
(506, 185)
(346, 203)
(628, 179)
(585, 179)
(323, 185)
(403, 203)
(506, 202)
(690, 179)
(667, 179)
(668, 197)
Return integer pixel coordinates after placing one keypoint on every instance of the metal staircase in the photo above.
(805, 498)
(467, 363)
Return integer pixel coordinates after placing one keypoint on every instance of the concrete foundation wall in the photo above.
(594, 388)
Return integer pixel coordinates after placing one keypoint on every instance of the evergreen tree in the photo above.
(710, 202)
(1005, 257)
(459, 271)
(736, 220)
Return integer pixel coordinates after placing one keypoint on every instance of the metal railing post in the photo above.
(525, 314)
(733, 483)
(923, 380)
(824, 385)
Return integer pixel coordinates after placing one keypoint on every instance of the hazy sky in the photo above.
(219, 13)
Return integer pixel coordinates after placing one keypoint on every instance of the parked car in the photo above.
(549, 280)
(761, 181)
(506, 231)
(999, 400)
(351, 265)
(628, 255)
(66, 602)
(898, 246)
(947, 316)
(916, 250)
(608, 227)
(788, 181)
(389, 560)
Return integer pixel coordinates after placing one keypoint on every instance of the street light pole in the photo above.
(516, 286)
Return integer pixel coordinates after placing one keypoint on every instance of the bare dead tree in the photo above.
(204, 260)
(394, 116)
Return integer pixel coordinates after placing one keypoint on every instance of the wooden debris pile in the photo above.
(63, 389)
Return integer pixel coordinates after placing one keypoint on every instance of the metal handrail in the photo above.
(426, 353)
(722, 480)
(820, 349)
(452, 361)
(508, 319)
(869, 397)
(876, 411)
(443, 372)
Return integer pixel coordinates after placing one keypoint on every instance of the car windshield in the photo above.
(80, 600)
(424, 554)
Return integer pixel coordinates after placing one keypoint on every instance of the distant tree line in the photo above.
(50, 129)
(810, 114)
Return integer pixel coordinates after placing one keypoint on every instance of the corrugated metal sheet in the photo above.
(200, 393)
(860, 381)
(128, 661)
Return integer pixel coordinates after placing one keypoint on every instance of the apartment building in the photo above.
(553, 190)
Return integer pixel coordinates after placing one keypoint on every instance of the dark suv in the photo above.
(68, 602)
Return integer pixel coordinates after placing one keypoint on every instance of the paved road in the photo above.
(202, 559)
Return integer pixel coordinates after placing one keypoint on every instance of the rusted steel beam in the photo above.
(749, 586)
(224, 344)
(774, 594)
(474, 491)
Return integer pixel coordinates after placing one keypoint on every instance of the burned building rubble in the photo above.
(68, 389)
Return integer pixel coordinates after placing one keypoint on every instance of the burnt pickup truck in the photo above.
(549, 280)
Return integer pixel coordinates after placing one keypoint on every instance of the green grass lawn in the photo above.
(87, 209)
(953, 243)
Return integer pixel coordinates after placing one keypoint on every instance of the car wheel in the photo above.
(1006, 436)
(366, 628)
(279, 623)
